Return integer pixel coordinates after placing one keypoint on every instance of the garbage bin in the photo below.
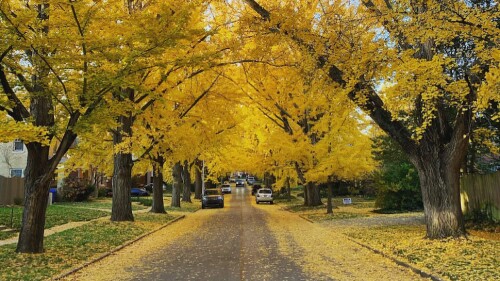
(53, 191)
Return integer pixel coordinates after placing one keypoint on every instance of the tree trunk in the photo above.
(197, 179)
(329, 205)
(36, 184)
(176, 185)
(186, 177)
(158, 205)
(39, 168)
(440, 184)
(313, 198)
(121, 209)
(288, 191)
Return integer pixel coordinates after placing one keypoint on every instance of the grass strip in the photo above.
(72, 247)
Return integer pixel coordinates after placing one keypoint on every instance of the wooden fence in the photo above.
(11, 189)
(481, 193)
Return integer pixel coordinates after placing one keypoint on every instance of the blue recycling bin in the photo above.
(53, 190)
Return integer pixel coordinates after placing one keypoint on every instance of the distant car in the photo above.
(212, 197)
(226, 188)
(264, 195)
(232, 180)
(240, 183)
(135, 191)
(255, 187)
(250, 180)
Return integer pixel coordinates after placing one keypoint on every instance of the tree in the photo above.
(423, 107)
(52, 88)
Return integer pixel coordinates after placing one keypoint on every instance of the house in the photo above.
(13, 159)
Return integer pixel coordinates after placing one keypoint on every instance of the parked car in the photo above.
(240, 183)
(226, 188)
(264, 195)
(212, 197)
(135, 191)
(255, 187)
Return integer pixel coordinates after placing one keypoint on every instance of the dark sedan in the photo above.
(240, 183)
(212, 197)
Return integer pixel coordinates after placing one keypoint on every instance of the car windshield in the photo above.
(267, 191)
(226, 185)
(212, 192)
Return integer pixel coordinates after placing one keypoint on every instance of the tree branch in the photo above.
(19, 111)
(199, 98)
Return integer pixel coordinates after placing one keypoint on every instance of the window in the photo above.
(18, 145)
(16, 173)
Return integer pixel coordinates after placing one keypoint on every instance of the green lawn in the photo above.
(103, 204)
(56, 215)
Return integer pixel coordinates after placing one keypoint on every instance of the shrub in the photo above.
(143, 201)
(74, 190)
(397, 182)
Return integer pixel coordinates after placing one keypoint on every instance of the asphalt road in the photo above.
(233, 243)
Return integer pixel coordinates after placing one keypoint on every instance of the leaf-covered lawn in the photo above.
(457, 259)
(72, 247)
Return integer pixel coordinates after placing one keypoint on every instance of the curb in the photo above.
(398, 262)
(116, 249)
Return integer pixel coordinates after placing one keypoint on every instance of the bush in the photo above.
(397, 182)
(74, 190)
(143, 201)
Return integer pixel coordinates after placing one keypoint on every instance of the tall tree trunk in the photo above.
(121, 209)
(176, 186)
(158, 205)
(186, 177)
(440, 184)
(36, 184)
(329, 205)
(313, 197)
(39, 168)
(197, 179)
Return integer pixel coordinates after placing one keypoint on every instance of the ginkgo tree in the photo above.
(432, 90)
(57, 64)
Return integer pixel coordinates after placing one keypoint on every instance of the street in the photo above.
(244, 241)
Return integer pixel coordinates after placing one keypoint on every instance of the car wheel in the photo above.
(222, 205)
(272, 202)
(203, 206)
(257, 202)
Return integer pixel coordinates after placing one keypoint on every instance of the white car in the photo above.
(264, 195)
(226, 188)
